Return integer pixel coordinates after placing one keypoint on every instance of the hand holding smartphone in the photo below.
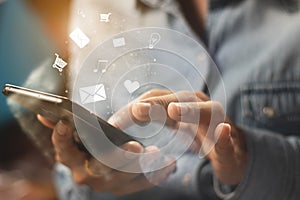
(56, 107)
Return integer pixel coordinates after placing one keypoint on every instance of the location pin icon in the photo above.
(154, 39)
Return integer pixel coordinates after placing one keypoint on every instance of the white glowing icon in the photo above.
(81, 13)
(92, 93)
(79, 38)
(119, 42)
(154, 39)
(131, 86)
(59, 63)
(105, 17)
(101, 64)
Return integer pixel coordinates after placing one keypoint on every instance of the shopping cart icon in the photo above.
(104, 17)
(59, 63)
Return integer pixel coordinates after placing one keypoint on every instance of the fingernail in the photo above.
(144, 105)
(141, 108)
(61, 128)
(129, 155)
(183, 108)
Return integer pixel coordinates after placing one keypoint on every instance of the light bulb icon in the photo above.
(154, 39)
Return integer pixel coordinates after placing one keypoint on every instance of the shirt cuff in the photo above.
(223, 191)
(269, 172)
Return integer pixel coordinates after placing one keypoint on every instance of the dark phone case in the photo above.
(57, 107)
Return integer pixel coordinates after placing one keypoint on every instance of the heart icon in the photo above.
(131, 86)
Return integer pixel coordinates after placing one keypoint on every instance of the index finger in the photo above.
(155, 108)
(190, 112)
(124, 118)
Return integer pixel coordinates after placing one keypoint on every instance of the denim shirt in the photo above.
(256, 45)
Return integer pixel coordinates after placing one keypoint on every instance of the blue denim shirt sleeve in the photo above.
(273, 170)
(67, 189)
(184, 181)
(260, 67)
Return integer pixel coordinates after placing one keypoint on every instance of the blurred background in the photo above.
(25, 38)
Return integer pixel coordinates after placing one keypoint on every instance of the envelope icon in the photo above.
(119, 42)
(79, 38)
(92, 94)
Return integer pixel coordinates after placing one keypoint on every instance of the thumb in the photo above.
(224, 147)
(229, 164)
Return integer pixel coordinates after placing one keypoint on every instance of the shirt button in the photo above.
(187, 179)
(269, 112)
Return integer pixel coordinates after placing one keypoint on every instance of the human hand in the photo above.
(87, 170)
(222, 143)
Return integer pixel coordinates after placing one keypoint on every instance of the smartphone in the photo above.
(56, 107)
